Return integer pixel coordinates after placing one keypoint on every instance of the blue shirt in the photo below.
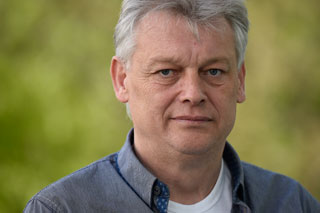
(120, 183)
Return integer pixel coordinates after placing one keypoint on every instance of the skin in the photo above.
(182, 92)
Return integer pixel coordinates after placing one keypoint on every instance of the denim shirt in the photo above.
(120, 183)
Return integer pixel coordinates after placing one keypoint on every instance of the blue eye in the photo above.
(214, 72)
(165, 72)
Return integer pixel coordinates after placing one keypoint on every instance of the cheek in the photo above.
(149, 99)
(137, 96)
(224, 100)
(163, 101)
(137, 87)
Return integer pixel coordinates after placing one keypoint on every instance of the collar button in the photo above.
(156, 190)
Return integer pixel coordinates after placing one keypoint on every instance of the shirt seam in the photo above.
(52, 206)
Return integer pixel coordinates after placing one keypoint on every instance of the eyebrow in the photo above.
(162, 59)
(216, 60)
(177, 61)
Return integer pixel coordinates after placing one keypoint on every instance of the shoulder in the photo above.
(99, 179)
(256, 176)
(265, 188)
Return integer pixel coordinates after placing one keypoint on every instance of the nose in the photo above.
(192, 89)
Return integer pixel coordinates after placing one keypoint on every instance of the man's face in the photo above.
(182, 90)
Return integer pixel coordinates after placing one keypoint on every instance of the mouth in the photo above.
(188, 118)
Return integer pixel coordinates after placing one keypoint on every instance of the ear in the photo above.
(241, 87)
(118, 76)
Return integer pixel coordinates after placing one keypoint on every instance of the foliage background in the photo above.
(58, 112)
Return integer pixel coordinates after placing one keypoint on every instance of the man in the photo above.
(179, 67)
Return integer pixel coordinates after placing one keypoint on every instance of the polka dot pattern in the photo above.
(161, 196)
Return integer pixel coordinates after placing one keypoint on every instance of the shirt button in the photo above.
(157, 190)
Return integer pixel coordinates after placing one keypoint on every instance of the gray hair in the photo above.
(202, 12)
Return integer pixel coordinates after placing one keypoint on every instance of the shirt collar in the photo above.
(142, 181)
(233, 162)
(136, 175)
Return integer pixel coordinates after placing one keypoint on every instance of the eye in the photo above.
(214, 72)
(165, 72)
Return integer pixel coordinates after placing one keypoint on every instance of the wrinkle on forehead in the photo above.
(218, 24)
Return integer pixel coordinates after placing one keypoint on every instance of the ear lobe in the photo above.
(241, 87)
(118, 76)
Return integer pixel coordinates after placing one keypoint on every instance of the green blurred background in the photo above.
(58, 112)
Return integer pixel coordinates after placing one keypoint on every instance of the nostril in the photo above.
(193, 97)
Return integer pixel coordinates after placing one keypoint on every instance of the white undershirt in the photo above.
(219, 199)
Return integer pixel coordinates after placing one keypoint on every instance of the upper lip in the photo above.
(192, 118)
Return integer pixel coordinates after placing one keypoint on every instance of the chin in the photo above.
(195, 147)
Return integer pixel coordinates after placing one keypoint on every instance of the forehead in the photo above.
(174, 18)
(164, 32)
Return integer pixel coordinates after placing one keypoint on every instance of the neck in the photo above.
(190, 177)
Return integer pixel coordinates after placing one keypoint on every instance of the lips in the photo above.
(192, 118)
